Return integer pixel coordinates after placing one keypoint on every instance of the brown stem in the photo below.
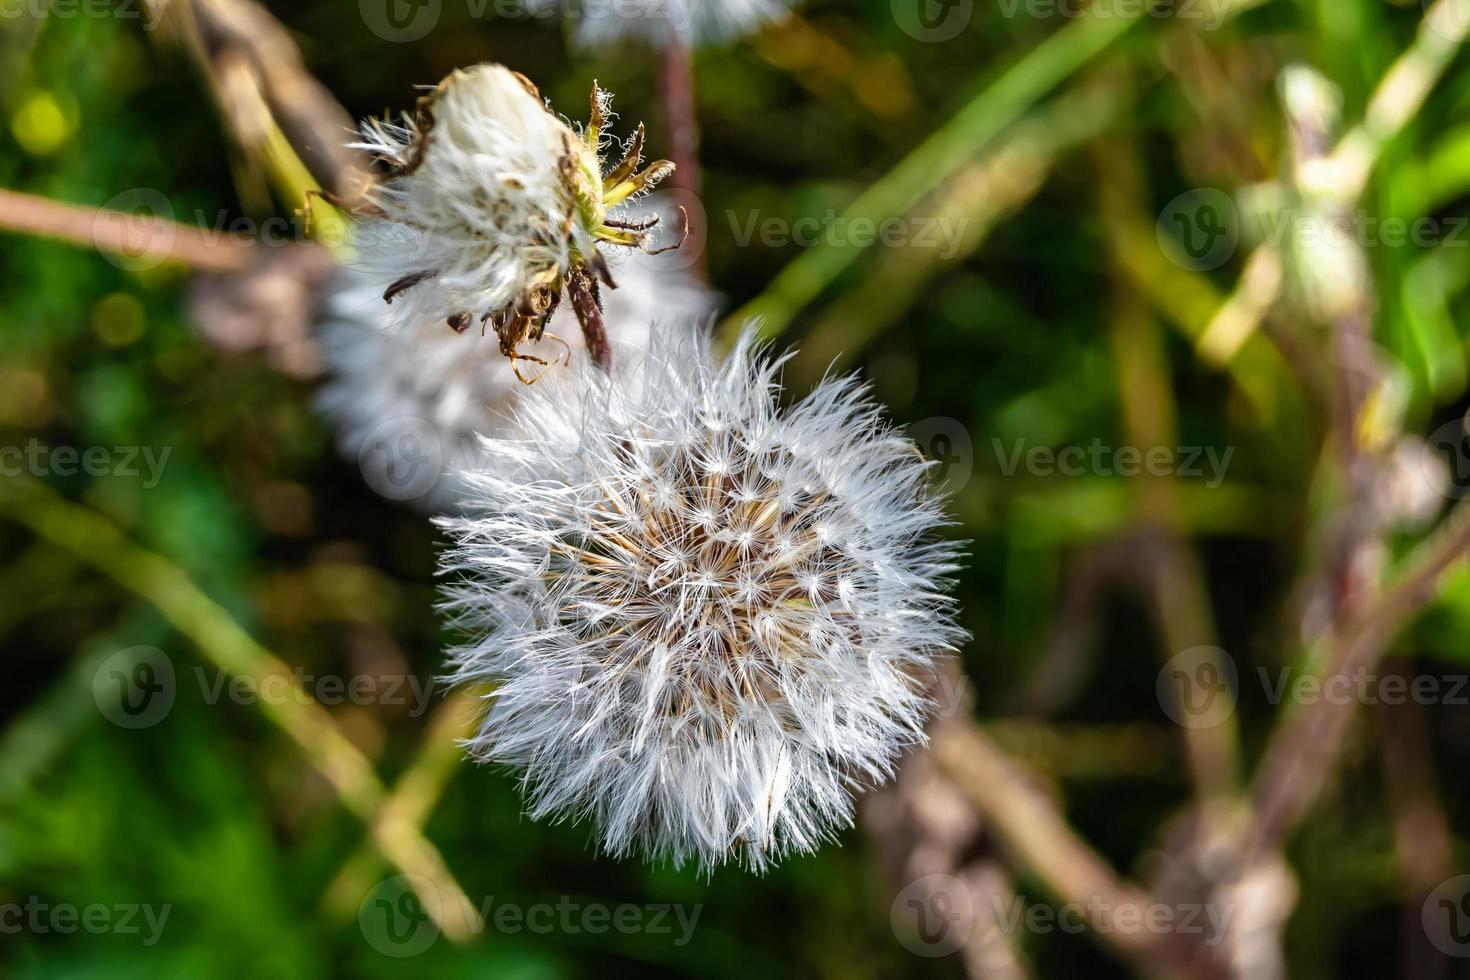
(121, 233)
(682, 121)
(680, 116)
(1423, 841)
(252, 63)
(1036, 831)
(927, 831)
(1302, 752)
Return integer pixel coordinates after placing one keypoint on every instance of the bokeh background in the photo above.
(1170, 230)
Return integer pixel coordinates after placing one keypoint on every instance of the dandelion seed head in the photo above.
(493, 208)
(478, 197)
(710, 620)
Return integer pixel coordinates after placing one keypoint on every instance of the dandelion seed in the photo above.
(457, 383)
(681, 656)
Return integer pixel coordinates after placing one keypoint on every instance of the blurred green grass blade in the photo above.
(1427, 289)
(36, 738)
(1092, 509)
(975, 200)
(1426, 185)
(1444, 628)
(997, 106)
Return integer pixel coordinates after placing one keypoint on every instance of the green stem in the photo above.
(933, 161)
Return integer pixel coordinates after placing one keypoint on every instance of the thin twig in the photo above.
(413, 797)
(1038, 834)
(1344, 173)
(1189, 302)
(257, 75)
(1299, 757)
(680, 115)
(1244, 311)
(1308, 741)
(130, 235)
(1423, 841)
(681, 118)
(276, 112)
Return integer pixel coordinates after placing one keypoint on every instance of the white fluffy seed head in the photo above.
(454, 388)
(696, 22)
(709, 620)
(480, 198)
